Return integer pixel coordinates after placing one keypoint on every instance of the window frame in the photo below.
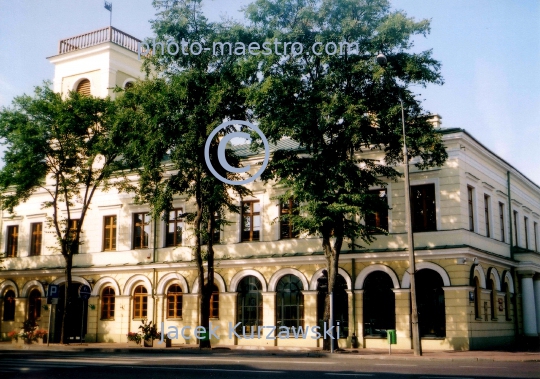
(292, 208)
(251, 216)
(34, 304)
(487, 214)
(36, 238)
(177, 299)
(242, 308)
(502, 228)
(214, 302)
(144, 243)
(12, 241)
(526, 229)
(108, 300)
(175, 223)
(535, 232)
(12, 309)
(281, 307)
(425, 227)
(470, 207)
(139, 300)
(516, 227)
(113, 233)
(380, 222)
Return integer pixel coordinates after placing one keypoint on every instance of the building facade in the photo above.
(476, 240)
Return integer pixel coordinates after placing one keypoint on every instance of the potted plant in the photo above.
(28, 331)
(149, 332)
(41, 336)
(14, 335)
(135, 338)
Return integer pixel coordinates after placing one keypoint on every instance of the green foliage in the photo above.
(148, 332)
(338, 106)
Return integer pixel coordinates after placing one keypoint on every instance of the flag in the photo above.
(108, 6)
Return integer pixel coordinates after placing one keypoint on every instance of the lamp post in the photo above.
(417, 347)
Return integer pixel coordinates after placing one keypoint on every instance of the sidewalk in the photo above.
(499, 356)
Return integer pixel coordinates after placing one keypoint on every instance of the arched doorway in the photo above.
(379, 307)
(75, 319)
(430, 301)
(341, 303)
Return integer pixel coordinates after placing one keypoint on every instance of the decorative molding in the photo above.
(318, 274)
(37, 215)
(14, 218)
(115, 206)
(488, 186)
(359, 282)
(515, 202)
(536, 215)
(471, 176)
(458, 288)
(406, 281)
(502, 193)
(526, 209)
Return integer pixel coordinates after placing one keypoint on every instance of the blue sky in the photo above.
(490, 54)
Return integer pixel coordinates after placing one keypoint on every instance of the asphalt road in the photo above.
(38, 365)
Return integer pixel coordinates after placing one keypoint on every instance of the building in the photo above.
(476, 234)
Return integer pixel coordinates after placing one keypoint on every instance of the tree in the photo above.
(66, 148)
(172, 116)
(339, 105)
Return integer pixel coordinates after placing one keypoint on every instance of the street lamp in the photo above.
(417, 347)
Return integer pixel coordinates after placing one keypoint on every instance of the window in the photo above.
(175, 225)
(288, 209)
(109, 233)
(217, 229)
(470, 202)
(477, 298)
(107, 304)
(486, 215)
(251, 220)
(507, 301)
(214, 302)
(290, 302)
(128, 86)
(516, 228)
(141, 230)
(493, 299)
(430, 300)
(84, 87)
(535, 231)
(423, 208)
(9, 306)
(174, 301)
(379, 219)
(250, 309)
(341, 302)
(379, 304)
(12, 241)
(140, 302)
(34, 305)
(526, 225)
(501, 221)
(37, 230)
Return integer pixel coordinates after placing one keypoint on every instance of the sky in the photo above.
(489, 50)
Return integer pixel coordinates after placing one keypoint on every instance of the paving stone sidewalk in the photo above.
(284, 352)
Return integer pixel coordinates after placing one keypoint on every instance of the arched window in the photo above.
(214, 302)
(107, 303)
(493, 299)
(174, 301)
(477, 298)
(9, 306)
(128, 86)
(430, 301)
(379, 306)
(140, 302)
(290, 302)
(84, 87)
(507, 301)
(341, 303)
(250, 308)
(34, 304)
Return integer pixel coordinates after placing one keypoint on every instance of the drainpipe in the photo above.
(512, 269)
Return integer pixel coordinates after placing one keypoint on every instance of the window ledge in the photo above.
(106, 319)
(432, 338)
(494, 319)
(174, 319)
(374, 337)
(479, 319)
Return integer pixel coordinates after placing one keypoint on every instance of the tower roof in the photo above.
(97, 37)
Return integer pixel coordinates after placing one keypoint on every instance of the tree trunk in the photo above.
(331, 253)
(208, 288)
(69, 264)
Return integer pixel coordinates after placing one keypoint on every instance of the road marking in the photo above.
(394, 364)
(242, 360)
(357, 374)
(206, 369)
(490, 367)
